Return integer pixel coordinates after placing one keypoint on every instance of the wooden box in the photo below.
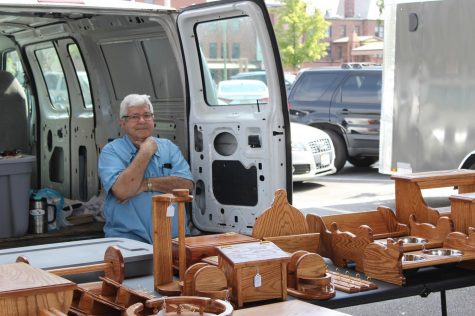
(25, 290)
(255, 271)
(199, 247)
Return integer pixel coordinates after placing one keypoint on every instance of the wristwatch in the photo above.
(149, 184)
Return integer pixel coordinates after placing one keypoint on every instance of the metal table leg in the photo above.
(443, 303)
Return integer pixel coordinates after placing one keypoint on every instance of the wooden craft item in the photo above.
(162, 241)
(291, 243)
(50, 312)
(350, 284)
(307, 278)
(408, 192)
(113, 266)
(181, 305)
(288, 308)
(255, 271)
(24, 290)
(199, 247)
(345, 236)
(385, 262)
(281, 219)
(463, 211)
(205, 280)
(210, 281)
(107, 298)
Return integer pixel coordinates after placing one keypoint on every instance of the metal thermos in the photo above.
(38, 223)
(49, 216)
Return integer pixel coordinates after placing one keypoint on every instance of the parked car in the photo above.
(261, 75)
(312, 153)
(345, 103)
(242, 92)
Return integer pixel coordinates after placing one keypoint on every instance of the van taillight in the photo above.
(288, 105)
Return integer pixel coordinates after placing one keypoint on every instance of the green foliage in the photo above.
(299, 34)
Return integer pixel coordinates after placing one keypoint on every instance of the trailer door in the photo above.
(238, 129)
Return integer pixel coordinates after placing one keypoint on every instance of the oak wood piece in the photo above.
(162, 241)
(463, 211)
(246, 264)
(409, 199)
(24, 290)
(199, 247)
(281, 219)
(350, 284)
(285, 226)
(345, 236)
(384, 262)
(210, 281)
(307, 278)
(288, 308)
(181, 305)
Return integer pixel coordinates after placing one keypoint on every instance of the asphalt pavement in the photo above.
(364, 189)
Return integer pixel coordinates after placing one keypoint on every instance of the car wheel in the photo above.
(340, 149)
(362, 161)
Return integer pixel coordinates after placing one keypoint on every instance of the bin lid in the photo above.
(16, 159)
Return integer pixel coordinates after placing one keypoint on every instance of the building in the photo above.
(355, 33)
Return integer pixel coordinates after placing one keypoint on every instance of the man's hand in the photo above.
(148, 146)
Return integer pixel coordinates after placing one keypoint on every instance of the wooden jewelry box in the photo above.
(255, 271)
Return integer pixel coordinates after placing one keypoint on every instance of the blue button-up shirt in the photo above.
(133, 219)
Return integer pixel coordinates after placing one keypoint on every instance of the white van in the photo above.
(239, 154)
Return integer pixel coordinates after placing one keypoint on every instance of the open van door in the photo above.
(239, 131)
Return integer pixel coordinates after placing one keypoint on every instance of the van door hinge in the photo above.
(274, 133)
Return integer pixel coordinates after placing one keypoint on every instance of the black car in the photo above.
(345, 103)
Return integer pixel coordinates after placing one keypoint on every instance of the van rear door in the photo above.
(238, 129)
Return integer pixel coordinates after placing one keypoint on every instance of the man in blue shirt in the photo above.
(135, 167)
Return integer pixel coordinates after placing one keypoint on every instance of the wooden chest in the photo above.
(199, 247)
(25, 290)
(256, 271)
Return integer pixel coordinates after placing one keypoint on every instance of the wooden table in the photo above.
(409, 199)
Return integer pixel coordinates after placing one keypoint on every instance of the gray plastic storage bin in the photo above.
(15, 175)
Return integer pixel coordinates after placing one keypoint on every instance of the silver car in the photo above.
(313, 154)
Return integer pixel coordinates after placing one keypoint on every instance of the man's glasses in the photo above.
(136, 117)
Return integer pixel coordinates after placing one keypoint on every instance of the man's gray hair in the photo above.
(134, 100)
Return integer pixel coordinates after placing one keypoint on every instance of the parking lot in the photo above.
(364, 189)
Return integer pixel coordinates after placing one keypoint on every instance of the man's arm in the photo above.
(168, 184)
(131, 182)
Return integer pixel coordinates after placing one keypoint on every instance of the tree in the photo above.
(299, 34)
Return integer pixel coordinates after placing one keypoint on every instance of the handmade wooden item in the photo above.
(162, 241)
(285, 226)
(181, 305)
(205, 280)
(350, 284)
(50, 312)
(113, 266)
(255, 271)
(463, 211)
(388, 262)
(110, 298)
(199, 247)
(307, 277)
(24, 290)
(409, 199)
(345, 236)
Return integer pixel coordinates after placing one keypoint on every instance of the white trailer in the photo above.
(429, 86)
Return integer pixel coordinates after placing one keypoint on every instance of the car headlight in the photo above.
(298, 146)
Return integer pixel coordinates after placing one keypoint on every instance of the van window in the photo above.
(81, 74)
(362, 89)
(13, 65)
(246, 56)
(53, 74)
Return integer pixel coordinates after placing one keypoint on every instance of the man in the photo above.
(135, 167)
